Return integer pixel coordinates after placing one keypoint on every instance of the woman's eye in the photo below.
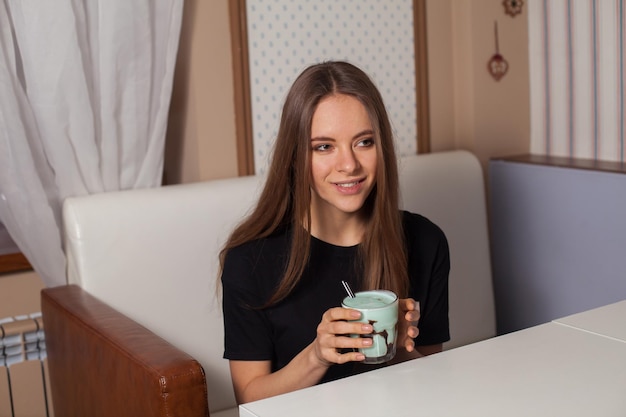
(366, 142)
(323, 147)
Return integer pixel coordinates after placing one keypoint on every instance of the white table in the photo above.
(549, 370)
(607, 321)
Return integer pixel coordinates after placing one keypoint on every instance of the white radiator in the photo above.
(24, 383)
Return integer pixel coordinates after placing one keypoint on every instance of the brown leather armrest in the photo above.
(104, 364)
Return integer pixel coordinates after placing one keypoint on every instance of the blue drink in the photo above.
(380, 309)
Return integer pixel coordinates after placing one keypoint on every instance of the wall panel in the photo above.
(285, 36)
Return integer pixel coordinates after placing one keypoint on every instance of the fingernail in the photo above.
(367, 328)
(355, 313)
(367, 341)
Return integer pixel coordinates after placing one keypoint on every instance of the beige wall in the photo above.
(440, 73)
(469, 110)
(200, 141)
(19, 294)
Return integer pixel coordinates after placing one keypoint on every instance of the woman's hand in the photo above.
(408, 315)
(333, 343)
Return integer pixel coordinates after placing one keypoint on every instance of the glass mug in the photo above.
(380, 309)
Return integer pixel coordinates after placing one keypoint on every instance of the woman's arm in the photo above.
(409, 314)
(253, 380)
(403, 355)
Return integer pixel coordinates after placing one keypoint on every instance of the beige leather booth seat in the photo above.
(151, 256)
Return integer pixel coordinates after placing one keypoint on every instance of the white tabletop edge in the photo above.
(602, 321)
(244, 412)
(473, 375)
(588, 331)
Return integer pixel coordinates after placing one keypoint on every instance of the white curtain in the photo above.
(85, 88)
(577, 51)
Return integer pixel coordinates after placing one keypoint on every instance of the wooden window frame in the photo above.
(241, 74)
(13, 262)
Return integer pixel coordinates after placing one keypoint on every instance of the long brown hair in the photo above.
(285, 199)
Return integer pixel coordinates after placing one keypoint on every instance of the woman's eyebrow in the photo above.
(358, 135)
(317, 138)
(366, 132)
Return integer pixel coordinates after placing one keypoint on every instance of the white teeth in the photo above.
(348, 185)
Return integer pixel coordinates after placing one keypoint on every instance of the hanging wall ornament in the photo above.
(512, 7)
(497, 65)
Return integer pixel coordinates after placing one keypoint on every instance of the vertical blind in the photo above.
(577, 67)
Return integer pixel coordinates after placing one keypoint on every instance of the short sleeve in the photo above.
(247, 333)
(429, 269)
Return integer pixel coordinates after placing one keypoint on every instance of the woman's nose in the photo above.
(347, 161)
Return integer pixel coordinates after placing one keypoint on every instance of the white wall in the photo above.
(286, 36)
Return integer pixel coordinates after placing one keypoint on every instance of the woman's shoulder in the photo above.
(261, 253)
(256, 262)
(417, 225)
(424, 238)
(273, 243)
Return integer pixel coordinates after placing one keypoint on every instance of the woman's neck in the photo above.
(339, 231)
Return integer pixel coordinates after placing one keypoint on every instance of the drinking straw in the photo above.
(348, 290)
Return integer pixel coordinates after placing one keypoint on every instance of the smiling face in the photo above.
(343, 157)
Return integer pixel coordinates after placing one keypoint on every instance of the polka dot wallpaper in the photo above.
(286, 36)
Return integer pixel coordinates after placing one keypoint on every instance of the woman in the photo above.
(328, 212)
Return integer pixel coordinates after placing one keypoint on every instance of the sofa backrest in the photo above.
(152, 254)
(448, 188)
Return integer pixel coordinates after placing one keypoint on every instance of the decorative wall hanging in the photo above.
(497, 65)
(512, 7)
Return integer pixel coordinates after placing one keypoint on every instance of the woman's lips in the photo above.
(349, 187)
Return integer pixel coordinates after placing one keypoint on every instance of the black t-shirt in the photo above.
(253, 270)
